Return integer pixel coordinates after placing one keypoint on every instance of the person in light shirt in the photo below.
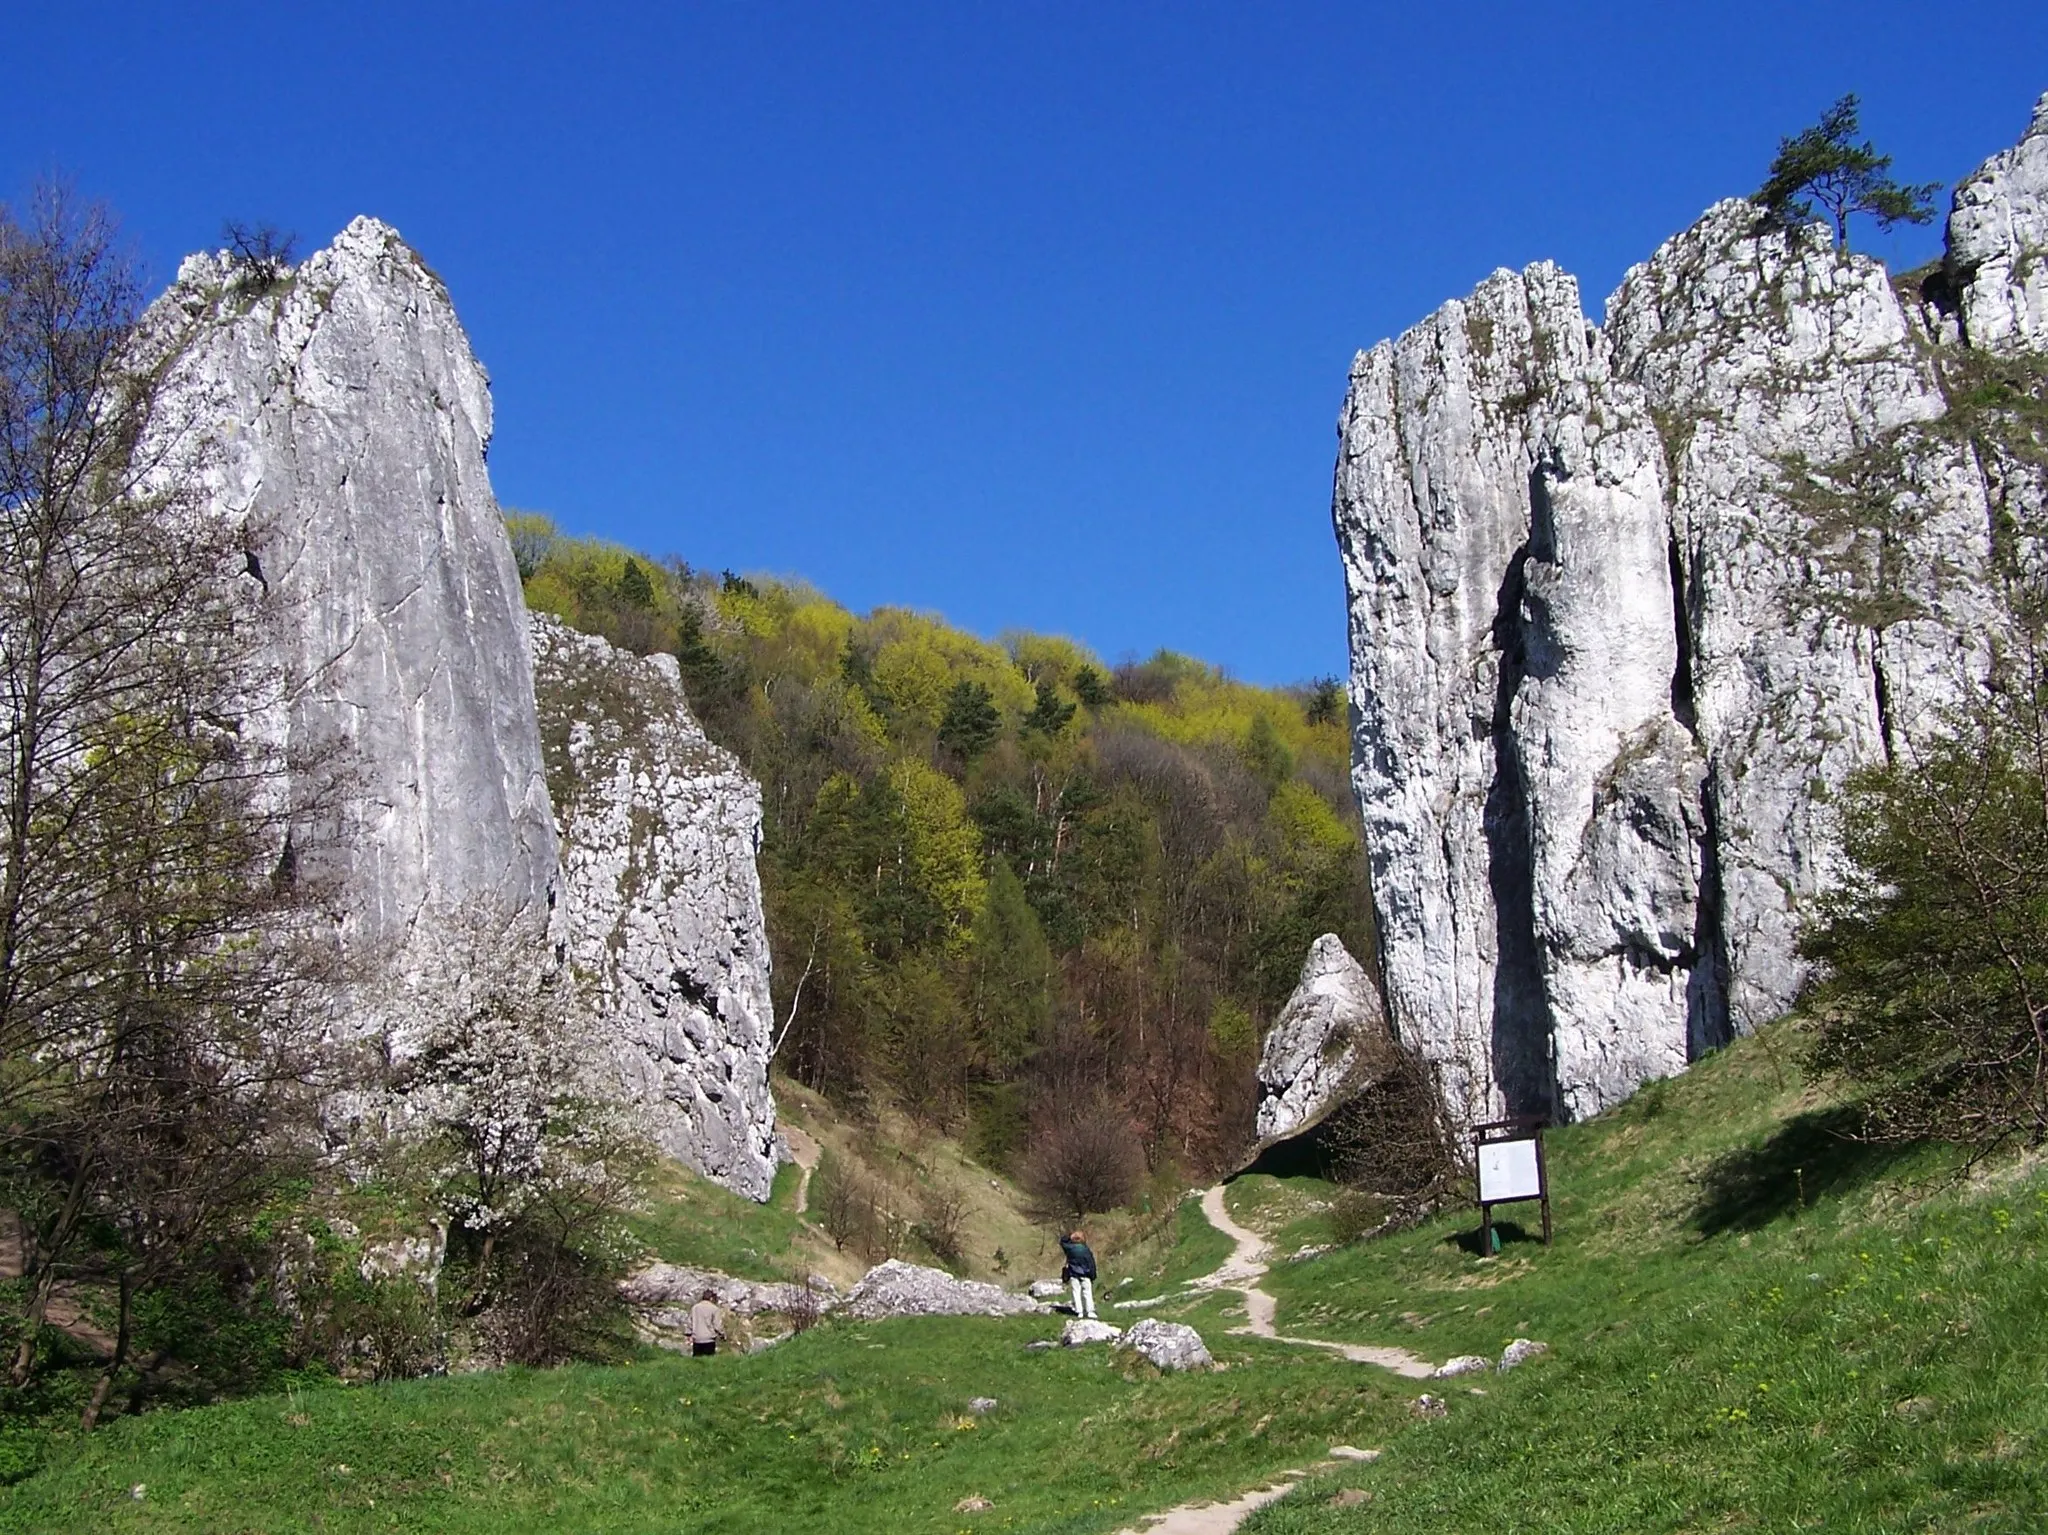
(707, 1324)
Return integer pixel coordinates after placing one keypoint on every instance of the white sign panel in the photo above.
(1507, 1170)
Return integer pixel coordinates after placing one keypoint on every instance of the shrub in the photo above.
(1085, 1159)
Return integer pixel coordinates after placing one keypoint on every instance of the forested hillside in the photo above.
(1029, 895)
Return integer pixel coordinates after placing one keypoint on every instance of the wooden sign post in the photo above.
(1510, 1170)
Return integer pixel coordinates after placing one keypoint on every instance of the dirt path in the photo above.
(1241, 1272)
(805, 1152)
(1214, 1518)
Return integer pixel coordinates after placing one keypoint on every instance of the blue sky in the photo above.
(1038, 316)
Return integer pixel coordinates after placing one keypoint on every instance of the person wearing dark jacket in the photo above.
(1079, 1273)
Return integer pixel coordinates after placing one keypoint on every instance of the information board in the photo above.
(1508, 1170)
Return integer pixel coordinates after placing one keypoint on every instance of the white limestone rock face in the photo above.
(1315, 1056)
(662, 899)
(340, 420)
(1499, 509)
(1779, 365)
(1630, 602)
(1997, 234)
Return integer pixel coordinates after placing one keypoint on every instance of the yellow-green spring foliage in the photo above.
(1014, 882)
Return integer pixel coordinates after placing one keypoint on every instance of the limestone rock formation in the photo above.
(1996, 234)
(334, 414)
(659, 829)
(339, 419)
(896, 1288)
(1629, 601)
(678, 1286)
(1316, 1054)
(1084, 1330)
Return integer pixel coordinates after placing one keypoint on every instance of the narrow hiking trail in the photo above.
(804, 1151)
(1247, 1265)
(1215, 1518)
(1242, 1271)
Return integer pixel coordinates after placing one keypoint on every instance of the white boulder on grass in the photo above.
(1168, 1345)
(1464, 1364)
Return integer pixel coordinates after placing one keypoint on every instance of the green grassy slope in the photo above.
(847, 1429)
(1755, 1325)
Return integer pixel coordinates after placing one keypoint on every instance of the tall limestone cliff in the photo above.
(335, 414)
(1628, 601)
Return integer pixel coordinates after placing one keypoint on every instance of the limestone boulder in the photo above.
(1318, 1053)
(1168, 1345)
(896, 1288)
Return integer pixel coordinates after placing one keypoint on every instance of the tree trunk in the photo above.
(105, 1384)
(46, 1281)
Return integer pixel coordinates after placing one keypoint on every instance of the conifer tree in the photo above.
(1825, 165)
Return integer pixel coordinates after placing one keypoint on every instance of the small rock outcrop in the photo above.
(1167, 1345)
(1520, 1352)
(662, 901)
(896, 1288)
(1463, 1364)
(1083, 1331)
(681, 1286)
(1630, 601)
(1320, 1051)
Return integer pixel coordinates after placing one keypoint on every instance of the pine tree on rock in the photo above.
(1825, 165)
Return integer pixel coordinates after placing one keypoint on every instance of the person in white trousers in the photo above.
(1079, 1273)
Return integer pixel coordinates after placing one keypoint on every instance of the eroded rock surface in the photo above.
(1630, 601)
(1997, 231)
(662, 899)
(1319, 1051)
